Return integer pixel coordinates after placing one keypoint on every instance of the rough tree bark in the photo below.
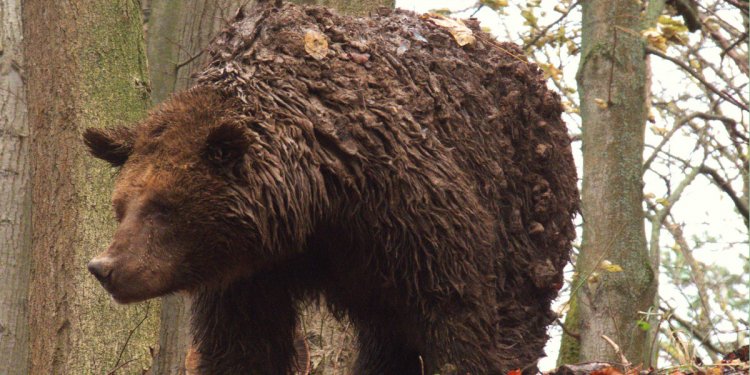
(86, 67)
(15, 195)
(613, 87)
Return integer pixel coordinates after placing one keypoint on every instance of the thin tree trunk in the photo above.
(15, 196)
(86, 67)
(612, 82)
(176, 34)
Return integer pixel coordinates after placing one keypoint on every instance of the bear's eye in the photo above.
(159, 209)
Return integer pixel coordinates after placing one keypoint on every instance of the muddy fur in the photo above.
(424, 190)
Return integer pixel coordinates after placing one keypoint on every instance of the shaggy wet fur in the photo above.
(425, 190)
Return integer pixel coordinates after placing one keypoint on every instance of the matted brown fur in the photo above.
(426, 190)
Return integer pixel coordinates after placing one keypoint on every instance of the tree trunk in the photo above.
(15, 196)
(612, 82)
(86, 67)
(176, 34)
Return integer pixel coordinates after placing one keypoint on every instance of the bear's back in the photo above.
(391, 91)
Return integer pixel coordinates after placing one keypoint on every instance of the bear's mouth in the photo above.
(121, 296)
(118, 294)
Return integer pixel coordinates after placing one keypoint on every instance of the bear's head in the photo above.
(187, 214)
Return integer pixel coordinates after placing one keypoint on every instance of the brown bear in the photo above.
(424, 189)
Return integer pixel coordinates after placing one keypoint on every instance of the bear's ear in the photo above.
(226, 144)
(112, 145)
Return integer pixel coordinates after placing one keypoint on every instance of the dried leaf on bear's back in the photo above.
(462, 34)
(316, 44)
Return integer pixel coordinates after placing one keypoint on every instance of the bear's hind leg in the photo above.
(246, 328)
(380, 353)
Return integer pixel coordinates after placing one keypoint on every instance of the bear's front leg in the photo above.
(245, 328)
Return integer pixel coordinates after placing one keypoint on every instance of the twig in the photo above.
(543, 32)
(130, 335)
(656, 332)
(189, 60)
(477, 11)
(734, 44)
(726, 187)
(616, 347)
(114, 370)
(566, 331)
(697, 275)
(678, 124)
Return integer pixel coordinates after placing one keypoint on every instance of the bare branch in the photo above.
(678, 124)
(729, 50)
(698, 76)
(688, 326)
(699, 279)
(726, 187)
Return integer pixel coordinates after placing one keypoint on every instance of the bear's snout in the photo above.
(101, 268)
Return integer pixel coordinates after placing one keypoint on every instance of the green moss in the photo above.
(351, 7)
(114, 64)
(111, 74)
(570, 347)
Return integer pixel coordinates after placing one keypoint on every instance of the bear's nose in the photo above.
(101, 268)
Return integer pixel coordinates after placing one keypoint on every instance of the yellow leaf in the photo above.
(669, 21)
(601, 103)
(442, 11)
(655, 39)
(560, 8)
(551, 71)
(460, 32)
(663, 201)
(494, 4)
(316, 44)
(529, 16)
(659, 131)
(609, 267)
